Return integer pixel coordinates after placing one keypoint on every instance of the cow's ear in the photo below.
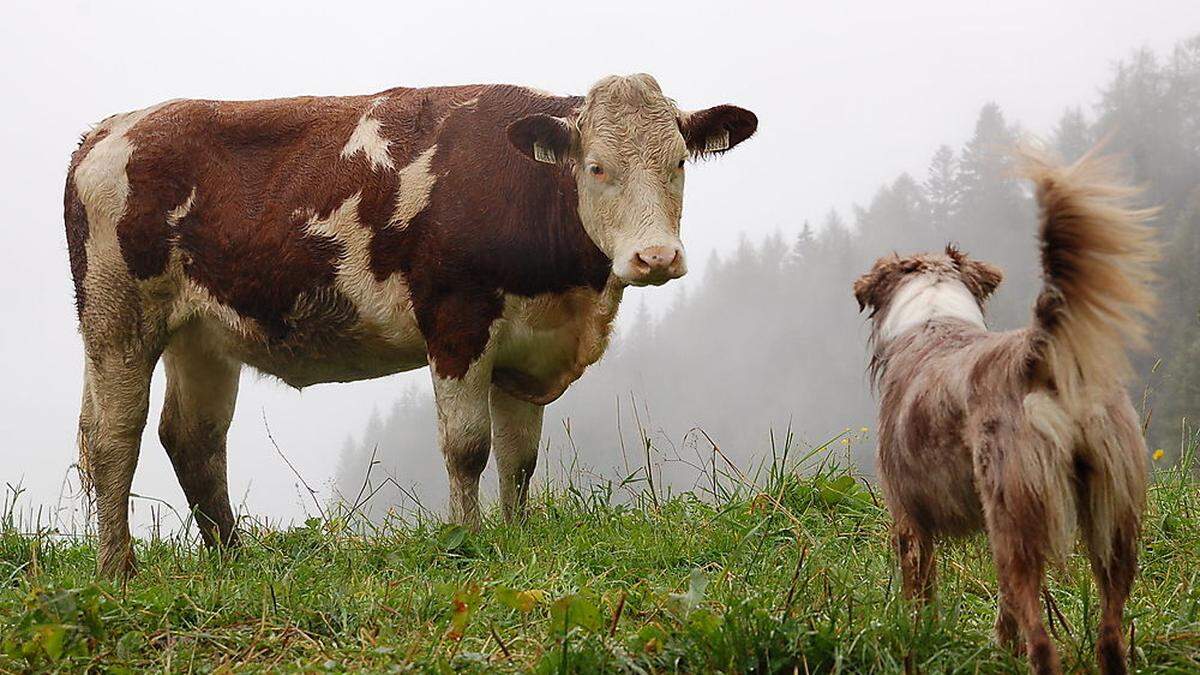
(717, 129)
(543, 138)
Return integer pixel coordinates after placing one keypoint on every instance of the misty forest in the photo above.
(705, 497)
(769, 352)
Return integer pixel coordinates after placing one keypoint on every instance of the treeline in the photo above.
(772, 339)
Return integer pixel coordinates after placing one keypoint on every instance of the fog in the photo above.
(848, 100)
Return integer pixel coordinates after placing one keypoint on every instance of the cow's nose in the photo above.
(658, 264)
(658, 257)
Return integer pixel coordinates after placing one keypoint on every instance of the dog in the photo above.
(1028, 434)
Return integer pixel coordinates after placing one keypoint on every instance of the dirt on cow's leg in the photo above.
(465, 435)
(202, 387)
(516, 431)
(119, 383)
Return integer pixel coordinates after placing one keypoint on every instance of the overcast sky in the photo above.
(847, 97)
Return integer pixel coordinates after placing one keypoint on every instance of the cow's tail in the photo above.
(85, 437)
(1097, 255)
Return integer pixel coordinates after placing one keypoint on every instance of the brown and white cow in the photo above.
(487, 231)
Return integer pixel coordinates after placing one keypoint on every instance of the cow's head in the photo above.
(627, 146)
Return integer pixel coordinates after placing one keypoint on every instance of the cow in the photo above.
(487, 231)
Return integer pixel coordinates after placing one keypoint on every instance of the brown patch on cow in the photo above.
(255, 163)
(972, 436)
(75, 218)
(521, 236)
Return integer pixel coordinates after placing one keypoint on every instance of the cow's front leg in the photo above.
(465, 434)
(516, 431)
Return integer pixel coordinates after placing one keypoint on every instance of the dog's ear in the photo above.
(868, 287)
(980, 278)
(862, 290)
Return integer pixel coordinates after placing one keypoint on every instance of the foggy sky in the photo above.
(847, 97)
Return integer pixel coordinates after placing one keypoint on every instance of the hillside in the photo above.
(793, 577)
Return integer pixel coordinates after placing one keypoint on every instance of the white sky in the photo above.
(847, 97)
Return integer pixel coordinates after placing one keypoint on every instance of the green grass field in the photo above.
(792, 576)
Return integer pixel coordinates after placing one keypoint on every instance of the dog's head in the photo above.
(902, 292)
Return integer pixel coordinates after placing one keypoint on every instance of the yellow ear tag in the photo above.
(543, 154)
(717, 142)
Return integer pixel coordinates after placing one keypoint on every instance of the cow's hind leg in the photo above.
(118, 382)
(516, 432)
(465, 436)
(202, 386)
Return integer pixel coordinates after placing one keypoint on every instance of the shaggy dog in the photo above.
(1028, 434)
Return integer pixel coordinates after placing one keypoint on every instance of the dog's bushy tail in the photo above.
(1097, 256)
(1096, 298)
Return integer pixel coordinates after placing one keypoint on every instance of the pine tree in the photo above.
(1181, 374)
(1072, 137)
(987, 158)
(804, 243)
(942, 190)
(835, 234)
(997, 219)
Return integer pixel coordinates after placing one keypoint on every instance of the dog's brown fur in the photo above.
(1028, 434)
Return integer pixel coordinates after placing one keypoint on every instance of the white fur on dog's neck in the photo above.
(930, 297)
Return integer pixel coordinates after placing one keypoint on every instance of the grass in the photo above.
(779, 574)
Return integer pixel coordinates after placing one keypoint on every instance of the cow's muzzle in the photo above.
(655, 265)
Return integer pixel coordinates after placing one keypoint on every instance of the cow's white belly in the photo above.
(329, 339)
(343, 361)
(343, 356)
(539, 346)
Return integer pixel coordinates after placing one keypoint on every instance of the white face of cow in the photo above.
(627, 147)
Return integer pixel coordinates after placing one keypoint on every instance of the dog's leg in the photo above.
(1020, 566)
(1008, 632)
(1114, 575)
(915, 550)
(1111, 539)
(1111, 487)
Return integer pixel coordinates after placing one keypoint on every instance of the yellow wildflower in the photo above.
(1158, 454)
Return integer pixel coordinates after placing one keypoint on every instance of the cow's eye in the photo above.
(596, 170)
